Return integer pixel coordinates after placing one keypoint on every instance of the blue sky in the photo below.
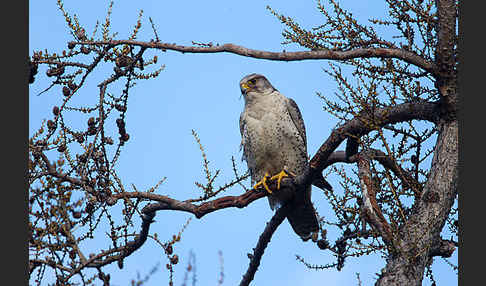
(201, 92)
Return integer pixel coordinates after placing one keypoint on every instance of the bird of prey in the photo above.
(274, 145)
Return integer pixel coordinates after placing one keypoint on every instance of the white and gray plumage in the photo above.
(274, 139)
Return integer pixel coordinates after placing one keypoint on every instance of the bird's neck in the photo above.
(258, 99)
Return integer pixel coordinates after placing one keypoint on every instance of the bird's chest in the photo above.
(272, 134)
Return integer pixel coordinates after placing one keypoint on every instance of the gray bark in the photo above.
(421, 234)
(419, 238)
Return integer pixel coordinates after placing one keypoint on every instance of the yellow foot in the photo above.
(280, 176)
(264, 183)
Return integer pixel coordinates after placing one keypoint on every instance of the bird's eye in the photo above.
(252, 81)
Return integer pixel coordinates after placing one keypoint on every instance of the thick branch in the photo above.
(263, 241)
(420, 235)
(446, 37)
(166, 203)
(445, 248)
(401, 54)
(366, 123)
(445, 55)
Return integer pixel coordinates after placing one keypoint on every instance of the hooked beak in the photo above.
(244, 88)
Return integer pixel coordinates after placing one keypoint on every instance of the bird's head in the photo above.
(254, 85)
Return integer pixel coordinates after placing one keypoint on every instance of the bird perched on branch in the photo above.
(274, 146)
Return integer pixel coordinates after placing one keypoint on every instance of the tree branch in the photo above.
(356, 127)
(445, 55)
(263, 241)
(401, 54)
(365, 123)
(445, 248)
(370, 208)
(387, 162)
(166, 203)
(446, 37)
(122, 251)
